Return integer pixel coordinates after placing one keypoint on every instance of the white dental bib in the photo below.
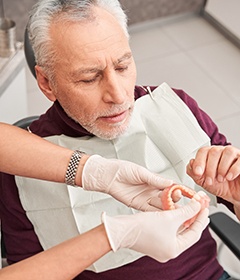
(163, 136)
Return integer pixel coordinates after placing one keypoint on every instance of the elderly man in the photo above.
(85, 66)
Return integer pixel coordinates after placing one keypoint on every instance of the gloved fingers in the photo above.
(148, 199)
(176, 195)
(187, 211)
(191, 235)
(154, 204)
(153, 180)
(202, 219)
(151, 208)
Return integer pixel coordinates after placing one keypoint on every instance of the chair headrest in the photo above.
(29, 53)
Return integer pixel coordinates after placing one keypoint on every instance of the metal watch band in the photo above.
(72, 168)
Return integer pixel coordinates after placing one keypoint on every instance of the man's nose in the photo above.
(113, 89)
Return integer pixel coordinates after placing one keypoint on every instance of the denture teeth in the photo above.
(168, 204)
(167, 200)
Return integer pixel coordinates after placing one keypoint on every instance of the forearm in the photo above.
(25, 154)
(64, 261)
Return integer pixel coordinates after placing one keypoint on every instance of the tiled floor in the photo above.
(187, 53)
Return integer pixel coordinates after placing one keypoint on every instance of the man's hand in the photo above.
(217, 170)
(127, 182)
(157, 234)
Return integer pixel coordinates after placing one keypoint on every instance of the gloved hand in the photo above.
(157, 234)
(127, 182)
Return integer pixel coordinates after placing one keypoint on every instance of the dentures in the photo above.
(168, 203)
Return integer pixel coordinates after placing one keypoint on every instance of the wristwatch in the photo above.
(72, 168)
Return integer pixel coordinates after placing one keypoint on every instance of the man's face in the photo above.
(95, 74)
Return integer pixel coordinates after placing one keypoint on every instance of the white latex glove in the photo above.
(157, 234)
(127, 182)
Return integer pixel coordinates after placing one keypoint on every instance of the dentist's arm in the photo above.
(155, 234)
(63, 261)
(25, 154)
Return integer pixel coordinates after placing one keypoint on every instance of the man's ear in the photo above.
(44, 84)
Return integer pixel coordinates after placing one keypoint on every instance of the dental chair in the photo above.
(228, 230)
(25, 122)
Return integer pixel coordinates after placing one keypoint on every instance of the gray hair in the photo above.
(44, 12)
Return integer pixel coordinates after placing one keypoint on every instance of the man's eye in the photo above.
(121, 69)
(89, 81)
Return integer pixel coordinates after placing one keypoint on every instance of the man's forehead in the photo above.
(89, 68)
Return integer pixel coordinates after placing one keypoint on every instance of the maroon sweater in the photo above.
(198, 262)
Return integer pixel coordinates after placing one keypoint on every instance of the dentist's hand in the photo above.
(157, 234)
(127, 182)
